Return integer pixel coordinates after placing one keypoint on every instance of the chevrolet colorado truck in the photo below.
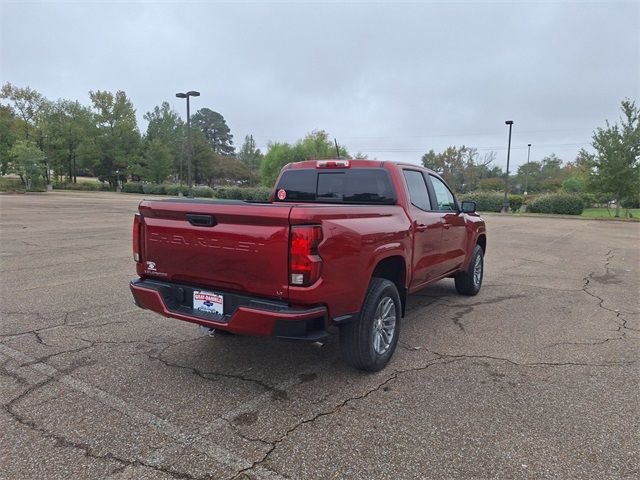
(339, 245)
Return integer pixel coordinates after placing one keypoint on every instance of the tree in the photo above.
(616, 165)
(278, 155)
(27, 162)
(117, 136)
(27, 103)
(67, 125)
(573, 184)
(8, 136)
(158, 161)
(461, 167)
(249, 154)
(166, 125)
(215, 129)
(316, 145)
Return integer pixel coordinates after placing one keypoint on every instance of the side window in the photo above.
(417, 189)
(444, 197)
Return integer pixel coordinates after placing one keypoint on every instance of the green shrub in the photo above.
(175, 189)
(557, 203)
(11, 185)
(588, 199)
(153, 189)
(82, 186)
(231, 193)
(203, 192)
(132, 187)
(256, 194)
(485, 201)
(515, 202)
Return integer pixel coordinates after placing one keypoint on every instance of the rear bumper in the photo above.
(242, 314)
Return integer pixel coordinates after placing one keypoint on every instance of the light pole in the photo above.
(526, 172)
(505, 205)
(190, 93)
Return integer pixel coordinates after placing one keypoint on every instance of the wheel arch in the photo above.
(482, 241)
(394, 269)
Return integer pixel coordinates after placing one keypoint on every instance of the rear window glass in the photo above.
(357, 185)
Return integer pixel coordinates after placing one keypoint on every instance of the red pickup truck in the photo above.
(340, 244)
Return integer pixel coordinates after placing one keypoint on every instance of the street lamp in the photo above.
(505, 205)
(526, 172)
(190, 93)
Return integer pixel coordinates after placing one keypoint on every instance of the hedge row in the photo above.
(232, 193)
(557, 203)
(492, 201)
(83, 186)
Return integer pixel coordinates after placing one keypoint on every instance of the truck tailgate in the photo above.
(244, 249)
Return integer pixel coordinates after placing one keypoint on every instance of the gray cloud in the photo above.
(391, 79)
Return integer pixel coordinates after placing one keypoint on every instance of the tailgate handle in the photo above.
(201, 220)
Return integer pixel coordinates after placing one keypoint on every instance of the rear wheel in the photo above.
(368, 344)
(470, 281)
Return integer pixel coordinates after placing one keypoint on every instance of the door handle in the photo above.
(446, 225)
(201, 220)
(421, 227)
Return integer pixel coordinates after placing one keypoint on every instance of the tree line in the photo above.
(43, 140)
(611, 173)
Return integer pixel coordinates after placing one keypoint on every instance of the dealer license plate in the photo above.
(208, 302)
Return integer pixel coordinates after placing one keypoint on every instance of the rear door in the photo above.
(227, 245)
(427, 229)
(454, 233)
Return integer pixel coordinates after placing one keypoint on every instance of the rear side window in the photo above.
(299, 185)
(357, 185)
(417, 189)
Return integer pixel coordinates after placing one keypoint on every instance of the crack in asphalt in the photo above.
(331, 412)
(276, 392)
(61, 441)
(586, 289)
(532, 364)
(468, 308)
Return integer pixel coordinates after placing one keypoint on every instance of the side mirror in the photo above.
(468, 207)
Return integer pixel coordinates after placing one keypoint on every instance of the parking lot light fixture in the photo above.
(187, 95)
(526, 172)
(505, 205)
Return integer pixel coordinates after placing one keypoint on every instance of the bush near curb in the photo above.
(485, 201)
(82, 186)
(175, 188)
(515, 202)
(132, 187)
(153, 189)
(206, 192)
(557, 203)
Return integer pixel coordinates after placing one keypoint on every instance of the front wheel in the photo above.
(368, 344)
(470, 281)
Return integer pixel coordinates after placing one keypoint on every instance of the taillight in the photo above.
(136, 237)
(304, 262)
(332, 164)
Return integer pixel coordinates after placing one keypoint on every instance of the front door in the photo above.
(454, 235)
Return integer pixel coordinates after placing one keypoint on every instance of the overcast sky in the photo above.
(389, 79)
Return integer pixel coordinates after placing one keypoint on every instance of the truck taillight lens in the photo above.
(332, 164)
(304, 262)
(136, 237)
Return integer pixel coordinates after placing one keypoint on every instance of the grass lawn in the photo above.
(604, 213)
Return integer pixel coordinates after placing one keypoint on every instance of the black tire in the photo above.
(467, 283)
(358, 340)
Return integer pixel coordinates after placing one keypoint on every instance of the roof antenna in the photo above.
(337, 149)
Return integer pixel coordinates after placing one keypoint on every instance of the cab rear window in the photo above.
(356, 185)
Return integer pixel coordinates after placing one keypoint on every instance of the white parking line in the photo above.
(214, 451)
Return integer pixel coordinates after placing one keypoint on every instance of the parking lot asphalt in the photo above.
(537, 376)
